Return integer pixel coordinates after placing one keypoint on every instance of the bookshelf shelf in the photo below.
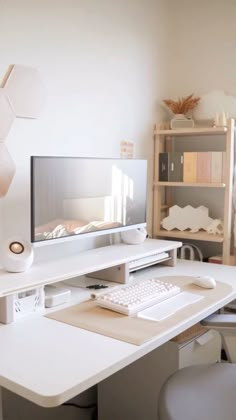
(199, 236)
(189, 184)
(197, 131)
(165, 193)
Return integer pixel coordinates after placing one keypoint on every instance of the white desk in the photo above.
(49, 362)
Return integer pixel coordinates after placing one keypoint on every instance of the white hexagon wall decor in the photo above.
(7, 169)
(25, 91)
(7, 116)
(188, 217)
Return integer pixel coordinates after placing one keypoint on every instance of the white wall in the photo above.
(202, 46)
(103, 65)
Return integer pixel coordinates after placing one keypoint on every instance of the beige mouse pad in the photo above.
(89, 316)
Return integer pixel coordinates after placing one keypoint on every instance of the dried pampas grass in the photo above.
(182, 105)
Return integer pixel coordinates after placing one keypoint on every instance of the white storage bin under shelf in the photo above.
(19, 304)
(205, 348)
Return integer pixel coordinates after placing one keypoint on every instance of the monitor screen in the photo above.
(74, 196)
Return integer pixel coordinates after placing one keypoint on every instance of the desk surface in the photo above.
(49, 362)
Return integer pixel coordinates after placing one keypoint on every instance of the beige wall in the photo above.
(202, 46)
(201, 58)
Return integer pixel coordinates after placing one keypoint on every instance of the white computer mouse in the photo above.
(207, 282)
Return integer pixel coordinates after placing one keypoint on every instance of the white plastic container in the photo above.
(20, 304)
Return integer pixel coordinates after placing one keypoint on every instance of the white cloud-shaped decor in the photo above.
(6, 116)
(215, 102)
(25, 91)
(22, 94)
(187, 217)
(7, 170)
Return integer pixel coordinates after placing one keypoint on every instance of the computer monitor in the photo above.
(74, 197)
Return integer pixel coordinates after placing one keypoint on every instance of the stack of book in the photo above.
(192, 167)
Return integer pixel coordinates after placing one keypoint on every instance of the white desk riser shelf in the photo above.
(85, 262)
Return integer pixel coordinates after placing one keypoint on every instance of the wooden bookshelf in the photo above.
(163, 191)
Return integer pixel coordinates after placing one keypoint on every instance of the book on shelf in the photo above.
(164, 166)
(190, 167)
(216, 167)
(223, 166)
(204, 166)
(171, 166)
(217, 259)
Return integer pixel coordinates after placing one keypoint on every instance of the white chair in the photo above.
(204, 392)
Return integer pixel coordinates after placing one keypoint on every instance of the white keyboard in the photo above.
(133, 298)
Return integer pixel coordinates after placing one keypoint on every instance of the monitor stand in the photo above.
(121, 273)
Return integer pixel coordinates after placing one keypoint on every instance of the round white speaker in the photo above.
(134, 237)
(17, 255)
